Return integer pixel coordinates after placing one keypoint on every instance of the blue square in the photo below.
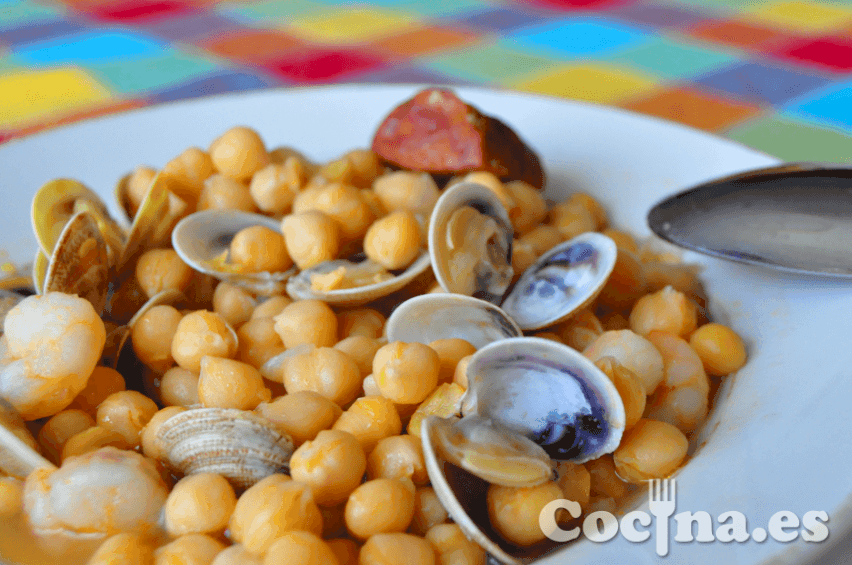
(763, 83)
(34, 31)
(216, 83)
(100, 46)
(568, 39)
(830, 106)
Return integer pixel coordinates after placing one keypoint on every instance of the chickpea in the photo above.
(138, 184)
(406, 372)
(271, 507)
(124, 548)
(550, 336)
(270, 307)
(380, 506)
(407, 190)
(575, 482)
(225, 383)
(622, 239)
(188, 171)
(360, 349)
(626, 284)
(307, 321)
(11, 496)
(650, 450)
(332, 465)
(366, 166)
(634, 352)
(524, 256)
(396, 457)
(179, 387)
(126, 412)
(394, 241)
(450, 352)
(301, 415)
(237, 554)
(280, 154)
(152, 336)
(61, 427)
(200, 503)
(148, 439)
(428, 511)
(299, 548)
(233, 303)
(598, 212)
(223, 193)
(345, 550)
(191, 549)
(370, 387)
(340, 170)
(365, 322)
(605, 482)
(162, 269)
(492, 183)
(453, 547)
(344, 203)
(102, 382)
(514, 511)
(531, 206)
(311, 237)
(629, 387)
(202, 333)
(275, 186)
(460, 374)
(721, 350)
(572, 219)
(397, 549)
(325, 370)
(444, 402)
(239, 153)
(369, 419)
(259, 249)
(258, 342)
(92, 439)
(667, 310)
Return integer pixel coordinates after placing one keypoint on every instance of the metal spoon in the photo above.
(793, 217)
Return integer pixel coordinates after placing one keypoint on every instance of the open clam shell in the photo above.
(241, 446)
(470, 242)
(300, 286)
(549, 393)
(202, 240)
(562, 281)
(53, 206)
(40, 264)
(431, 317)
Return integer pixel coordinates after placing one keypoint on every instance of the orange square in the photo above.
(694, 108)
(254, 46)
(422, 41)
(738, 34)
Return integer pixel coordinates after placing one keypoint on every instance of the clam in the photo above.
(241, 446)
(40, 265)
(202, 240)
(431, 317)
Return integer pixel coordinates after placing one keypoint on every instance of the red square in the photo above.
(827, 53)
(138, 10)
(324, 65)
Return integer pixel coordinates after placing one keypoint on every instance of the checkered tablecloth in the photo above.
(774, 75)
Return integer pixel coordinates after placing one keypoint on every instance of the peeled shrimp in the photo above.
(682, 399)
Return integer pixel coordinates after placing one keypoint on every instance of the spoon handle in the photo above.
(17, 458)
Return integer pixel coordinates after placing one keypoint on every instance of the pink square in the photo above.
(324, 65)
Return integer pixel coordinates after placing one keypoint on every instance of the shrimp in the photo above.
(51, 345)
(683, 398)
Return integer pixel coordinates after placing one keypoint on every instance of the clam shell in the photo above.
(241, 446)
(79, 264)
(40, 264)
(53, 206)
(202, 240)
(493, 273)
(549, 393)
(121, 198)
(562, 281)
(430, 317)
(299, 286)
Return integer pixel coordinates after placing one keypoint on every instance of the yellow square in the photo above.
(800, 16)
(32, 95)
(350, 26)
(592, 83)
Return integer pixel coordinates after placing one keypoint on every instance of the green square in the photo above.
(672, 60)
(271, 10)
(133, 76)
(792, 140)
(488, 63)
(8, 65)
(427, 8)
(714, 6)
(21, 11)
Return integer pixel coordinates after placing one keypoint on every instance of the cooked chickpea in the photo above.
(138, 184)
(598, 212)
(495, 185)
(721, 350)
(152, 336)
(307, 321)
(572, 219)
(366, 322)
(450, 352)
(514, 511)
(202, 333)
(626, 284)
(524, 256)
(300, 548)
(11, 496)
(225, 383)
(258, 342)
(396, 457)
(223, 193)
(126, 412)
(102, 382)
(62, 426)
(667, 310)
(340, 170)
(460, 374)
(275, 186)
(188, 171)
(301, 415)
(179, 387)
(380, 506)
(394, 241)
(311, 237)
(605, 482)
(148, 439)
(540, 239)
(260, 249)
(369, 419)
(366, 166)
(453, 547)
(191, 549)
(271, 307)
(407, 190)
(162, 269)
(360, 349)
(397, 549)
(92, 439)
(428, 511)
(629, 387)
(325, 370)
(124, 548)
(344, 204)
(237, 554)
(332, 464)
(531, 206)
(239, 153)
(406, 372)
(233, 303)
(622, 239)
(274, 505)
(650, 450)
(575, 482)
(345, 550)
(200, 503)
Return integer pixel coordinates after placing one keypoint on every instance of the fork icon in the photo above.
(661, 501)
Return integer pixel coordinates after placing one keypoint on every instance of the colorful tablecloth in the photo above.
(775, 75)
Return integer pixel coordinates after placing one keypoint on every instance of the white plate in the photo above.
(779, 432)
